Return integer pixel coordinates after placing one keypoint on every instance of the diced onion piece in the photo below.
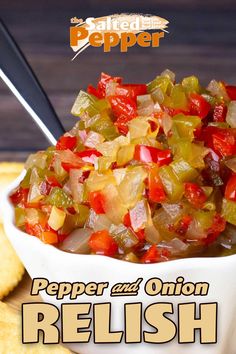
(109, 148)
(56, 218)
(93, 139)
(82, 135)
(139, 215)
(111, 88)
(104, 163)
(173, 210)
(98, 181)
(37, 160)
(92, 219)
(231, 114)
(67, 188)
(195, 232)
(170, 74)
(113, 206)
(76, 188)
(138, 127)
(119, 174)
(125, 154)
(77, 241)
(231, 163)
(166, 123)
(145, 105)
(132, 186)
(32, 216)
(35, 195)
(152, 235)
(101, 222)
(34, 177)
(158, 96)
(217, 89)
(59, 170)
(175, 246)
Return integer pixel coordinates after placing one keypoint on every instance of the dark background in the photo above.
(202, 41)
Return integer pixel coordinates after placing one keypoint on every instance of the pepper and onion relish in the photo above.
(147, 174)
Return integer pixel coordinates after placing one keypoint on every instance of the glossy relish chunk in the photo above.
(147, 174)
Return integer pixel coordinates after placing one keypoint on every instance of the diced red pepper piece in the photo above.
(221, 140)
(195, 194)
(153, 255)
(218, 226)
(20, 196)
(231, 91)
(219, 113)
(230, 190)
(140, 235)
(131, 90)
(101, 242)
(34, 230)
(49, 237)
(199, 106)
(97, 200)
(147, 154)
(89, 155)
(66, 142)
(71, 161)
(174, 111)
(156, 192)
(124, 110)
(93, 91)
(100, 91)
(126, 220)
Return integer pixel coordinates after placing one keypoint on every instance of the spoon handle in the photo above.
(20, 78)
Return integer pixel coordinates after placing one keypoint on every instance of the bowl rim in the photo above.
(8, 221)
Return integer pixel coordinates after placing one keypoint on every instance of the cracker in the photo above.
(11, 167)
(11, 268)
(10, 336)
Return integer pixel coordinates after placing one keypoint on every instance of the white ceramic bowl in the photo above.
(45, 261)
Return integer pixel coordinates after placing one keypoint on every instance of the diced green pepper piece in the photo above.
(19, 216)
(124, 237)
(184, 126)
(163, 82)
(59, 198)
(88, 103)
(104, 126)
(204, 218)
(75, 221)
(191, 84)
(25, 183)
(172, 185)
(177, 98)
(183, 170)
(193, 153)
(82, 216)
(229, 211)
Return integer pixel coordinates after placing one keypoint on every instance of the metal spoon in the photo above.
(20, 78)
